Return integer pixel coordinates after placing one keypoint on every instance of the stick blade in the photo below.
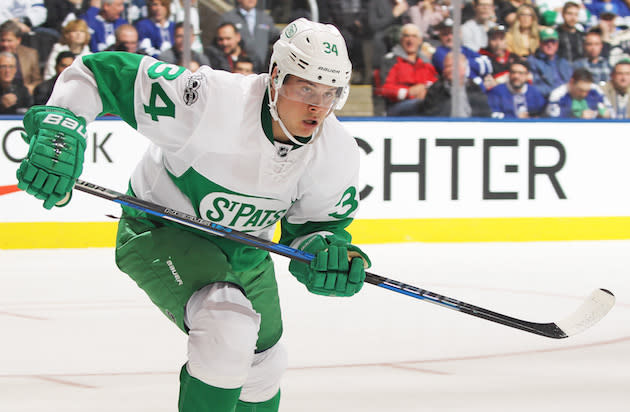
(598, 304)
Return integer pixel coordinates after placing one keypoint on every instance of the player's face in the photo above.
(305, 91)
(9, 42)
(303, 105)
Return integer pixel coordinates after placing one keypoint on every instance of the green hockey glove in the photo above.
(56, 140)
(338, 268)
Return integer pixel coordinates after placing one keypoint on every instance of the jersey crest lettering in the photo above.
(241, 212)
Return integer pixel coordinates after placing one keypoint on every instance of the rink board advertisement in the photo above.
(420, 181)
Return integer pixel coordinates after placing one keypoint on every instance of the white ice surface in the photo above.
(78, 335)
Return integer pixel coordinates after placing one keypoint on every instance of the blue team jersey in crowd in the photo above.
(597, 7)
(549, 73)
(101, 32)
(479, 64)
(154, 39)
(561, 103)
(505, 104)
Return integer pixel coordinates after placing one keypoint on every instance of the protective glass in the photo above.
(311, 93)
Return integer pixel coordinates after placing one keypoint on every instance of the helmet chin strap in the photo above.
(273, 109)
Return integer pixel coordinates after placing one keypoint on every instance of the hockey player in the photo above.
(241, 151)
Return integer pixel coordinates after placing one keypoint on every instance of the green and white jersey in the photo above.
(212, 151)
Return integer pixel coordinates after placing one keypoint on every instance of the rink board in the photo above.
(433, 181)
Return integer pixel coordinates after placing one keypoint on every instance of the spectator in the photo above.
(44, 89)
(499, 56)
(61, 12)
(570, 36)
(438, 100)
(406, 76)
(228, 49)
(136, 10)
(14, 97)
(28, 72)
(607, 24)
(126, 39)
(479, 65)
(383, 17)
(75, 37)
(522, 36)
(25, 13)
(174, 54)
(244, 65)
(30, 16)
(548, 70)
(617, 90)
(616, 39)
(516, 98)
(427, 13)
(593, 59)
(580, 98)
(257, 29)
(177, 15)
(103, 22)
(475, 30)
(351, 19)
(156, 33)
(552, 12)
(507, 11)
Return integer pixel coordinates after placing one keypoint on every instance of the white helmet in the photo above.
(313, 51)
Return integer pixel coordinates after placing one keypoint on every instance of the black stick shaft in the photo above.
(544, 329)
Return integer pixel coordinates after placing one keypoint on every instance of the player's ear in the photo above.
(274, 76)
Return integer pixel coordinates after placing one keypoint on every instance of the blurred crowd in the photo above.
(518, 58)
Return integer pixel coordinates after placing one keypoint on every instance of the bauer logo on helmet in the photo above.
(329, 70)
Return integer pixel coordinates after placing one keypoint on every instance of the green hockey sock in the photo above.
(271, 405)
(196, 396)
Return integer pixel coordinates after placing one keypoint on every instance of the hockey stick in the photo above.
(590, 312)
